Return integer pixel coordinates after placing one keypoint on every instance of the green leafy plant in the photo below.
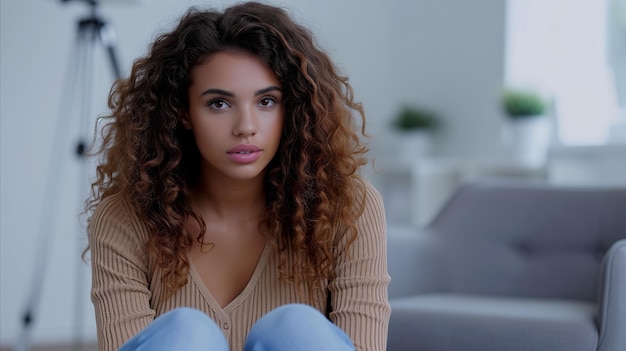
(523, 103)
(413, 118)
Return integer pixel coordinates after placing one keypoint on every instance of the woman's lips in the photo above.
(244, 153)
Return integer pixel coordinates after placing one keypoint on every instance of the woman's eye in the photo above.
(267, 101)
(218, 104)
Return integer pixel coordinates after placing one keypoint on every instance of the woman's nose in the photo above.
(246, 122)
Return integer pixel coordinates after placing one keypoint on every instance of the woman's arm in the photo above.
(119, 291)
(359, 291)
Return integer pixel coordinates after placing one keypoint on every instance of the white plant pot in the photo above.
(413, 145)
(530, 139)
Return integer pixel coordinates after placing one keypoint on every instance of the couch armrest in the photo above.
(612, 299)
(415, 262)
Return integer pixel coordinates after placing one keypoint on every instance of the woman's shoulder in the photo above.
(372, 197)
(371, 191)
(115, 207)
(113, 215)
(371, 221)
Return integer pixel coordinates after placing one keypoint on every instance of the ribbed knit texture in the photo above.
(127, 296)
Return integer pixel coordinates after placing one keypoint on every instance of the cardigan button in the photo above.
(226, 326)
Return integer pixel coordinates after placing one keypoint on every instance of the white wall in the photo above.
(447, 54)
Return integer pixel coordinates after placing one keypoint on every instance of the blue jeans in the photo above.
(287, 328)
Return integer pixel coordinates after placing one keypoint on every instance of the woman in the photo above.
(228, 211)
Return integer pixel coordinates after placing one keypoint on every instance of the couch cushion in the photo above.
(528, 239)
(436, 322)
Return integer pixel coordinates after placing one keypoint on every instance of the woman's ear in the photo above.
(186, 121)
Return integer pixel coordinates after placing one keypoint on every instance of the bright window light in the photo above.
(562, 49)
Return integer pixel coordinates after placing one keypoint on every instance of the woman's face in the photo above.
(236, 115)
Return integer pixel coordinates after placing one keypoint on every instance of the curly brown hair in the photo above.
(314, 193)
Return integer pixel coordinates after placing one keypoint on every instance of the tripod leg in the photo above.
(107, 37)
(80, 71)
(48, 214)
(89, 41)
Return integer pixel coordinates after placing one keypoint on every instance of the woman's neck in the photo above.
(228, 199)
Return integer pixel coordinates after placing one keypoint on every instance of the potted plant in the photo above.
(528, 125)
(410, 118)
(523, 103)
(414, 126)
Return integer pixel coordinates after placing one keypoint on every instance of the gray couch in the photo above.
(513, 265)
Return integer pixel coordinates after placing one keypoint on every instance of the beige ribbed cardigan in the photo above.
(127, 296)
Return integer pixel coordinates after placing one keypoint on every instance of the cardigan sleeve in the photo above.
(120, 284)
(358, 292)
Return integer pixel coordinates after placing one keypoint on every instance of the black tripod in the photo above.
(92, 31)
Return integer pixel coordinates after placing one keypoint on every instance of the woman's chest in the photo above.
(226, 270)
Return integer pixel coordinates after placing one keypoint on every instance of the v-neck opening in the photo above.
(258, 270)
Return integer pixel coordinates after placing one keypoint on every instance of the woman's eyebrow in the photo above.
(267, 90)
(231, 94)
(218, 92)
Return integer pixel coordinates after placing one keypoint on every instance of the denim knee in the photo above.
(296, 327)
(179, 329)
